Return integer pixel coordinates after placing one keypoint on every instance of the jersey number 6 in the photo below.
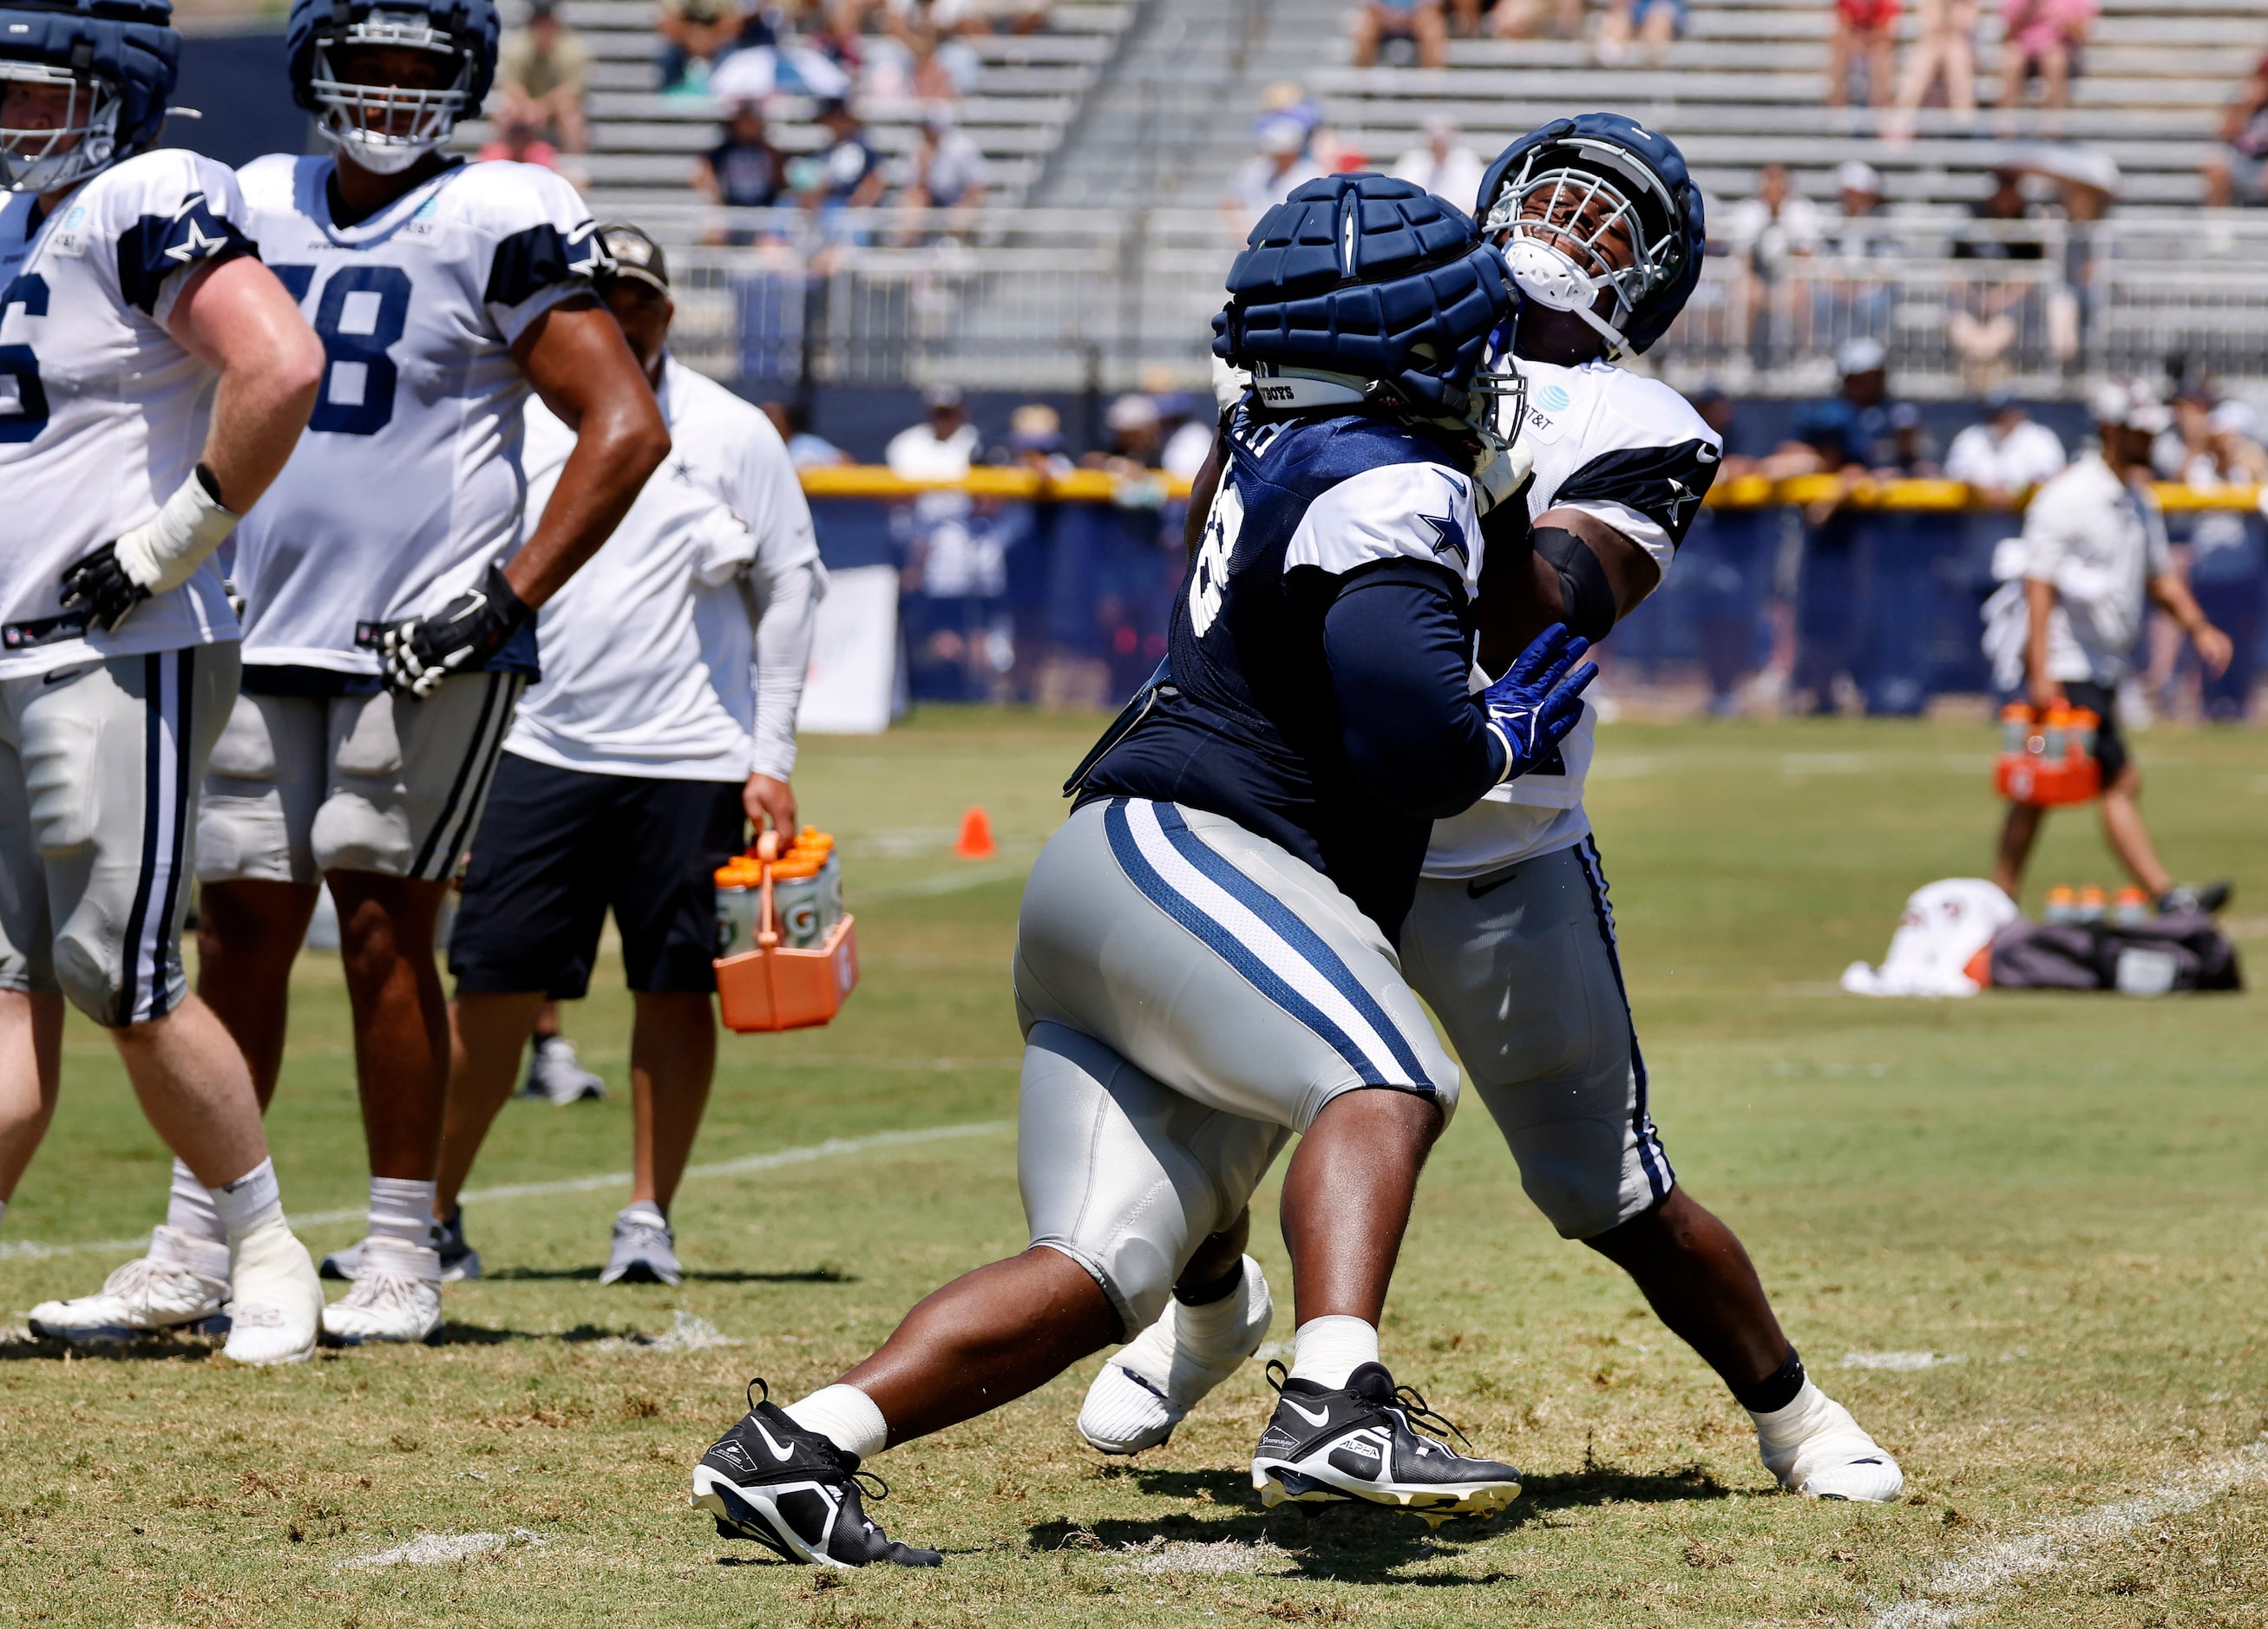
(23, 418)
(1208, 573)
(362, 313)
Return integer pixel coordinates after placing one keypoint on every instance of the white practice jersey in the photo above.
(1633, 453)
(408, 481)
(649, 651)
(102, 414)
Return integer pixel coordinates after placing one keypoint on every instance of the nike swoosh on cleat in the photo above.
(1324, 1418)
(781, 1454)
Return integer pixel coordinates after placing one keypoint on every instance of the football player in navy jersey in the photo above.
(388, 593)
(1205, 957)
(1602, 230)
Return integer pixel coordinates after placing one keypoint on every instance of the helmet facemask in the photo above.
(1576, 223)
(84, 141)
(385, 128)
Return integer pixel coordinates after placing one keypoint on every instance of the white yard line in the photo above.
(1960, 1588)
(745, 1166)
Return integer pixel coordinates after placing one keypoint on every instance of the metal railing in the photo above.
(1070, 299)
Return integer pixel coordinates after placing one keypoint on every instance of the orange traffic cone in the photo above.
(975, 836)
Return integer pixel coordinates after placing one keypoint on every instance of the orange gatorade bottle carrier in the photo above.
(2047, 758)
(787, 953)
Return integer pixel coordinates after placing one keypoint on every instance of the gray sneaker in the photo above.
(555, 1076)
(644, 1250)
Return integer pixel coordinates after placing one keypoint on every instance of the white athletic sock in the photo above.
(189, 1207)
(251, 1200)
(1327, 1350)
(1213, 1325)
(402, 1210)
(846, 1417)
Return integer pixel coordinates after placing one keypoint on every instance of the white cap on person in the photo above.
(1863, 355)
(2130, 404)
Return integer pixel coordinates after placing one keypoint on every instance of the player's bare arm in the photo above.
(1524, 591)
(239, 320)
(576, 357)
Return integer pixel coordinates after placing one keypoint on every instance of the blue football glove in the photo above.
(1538, 700)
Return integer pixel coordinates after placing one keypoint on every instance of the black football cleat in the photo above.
(1324, 1447)
(794, 1492)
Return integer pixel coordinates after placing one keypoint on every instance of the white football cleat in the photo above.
(1150, 1384)
(276, 1301)
(1816, 1449)
(396, 1295)
(179, 1288)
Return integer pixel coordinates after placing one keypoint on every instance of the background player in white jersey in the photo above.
(388, 616)
(1510, 939)
(664, 721)
(153, 376)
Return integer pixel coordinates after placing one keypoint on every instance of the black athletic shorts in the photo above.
(2110, 745)
(557, 847)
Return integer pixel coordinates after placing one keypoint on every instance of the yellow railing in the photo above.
(1094, 486)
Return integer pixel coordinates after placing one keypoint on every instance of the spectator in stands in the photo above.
(2042, 38)
(1444, 166)
(744, 170)
(1651, 24)
(694, 34)
(1136, 438)
(1279, 162)
(1768, 232)
(1529, 20)
(1035, 441)
(852, 175)
(521, 142)
(805, 449)
(1910, 451)
(2237, 172)
(1419, 21)
(1984, 321)
(544, 71)
(944, 170)
(2006, 455)
(1944, 53)
(1857, 300)
(1864, 37)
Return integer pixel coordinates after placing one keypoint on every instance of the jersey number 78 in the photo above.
(362, 311)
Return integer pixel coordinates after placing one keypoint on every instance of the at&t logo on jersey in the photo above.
(1208, 573)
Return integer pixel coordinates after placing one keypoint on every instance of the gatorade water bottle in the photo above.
(2090, 904)
(2063, 905)
(2132, 909)
(739, 902)
(2016, 726)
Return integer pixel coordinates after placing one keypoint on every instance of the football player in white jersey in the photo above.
(388, 595)
(1511, 939)
(664, 721)
(153, 376)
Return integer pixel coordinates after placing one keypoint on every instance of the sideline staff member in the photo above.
(2095, 559)
(672, 667)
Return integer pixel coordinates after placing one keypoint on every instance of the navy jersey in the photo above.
(1319, 649)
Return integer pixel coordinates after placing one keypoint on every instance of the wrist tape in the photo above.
(166, 550)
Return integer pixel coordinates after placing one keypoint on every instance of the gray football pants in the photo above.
(1190, 995)
(100, 767)
(1519, 966)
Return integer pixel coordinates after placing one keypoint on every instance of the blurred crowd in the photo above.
(1839, 606)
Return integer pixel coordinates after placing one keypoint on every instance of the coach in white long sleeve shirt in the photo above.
(672, 667)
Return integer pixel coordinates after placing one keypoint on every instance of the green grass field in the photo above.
(2061, 1199)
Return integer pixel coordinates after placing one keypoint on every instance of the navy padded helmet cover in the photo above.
(1354, 275)
(129, 42)
(474, 24)
(1654, 313)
